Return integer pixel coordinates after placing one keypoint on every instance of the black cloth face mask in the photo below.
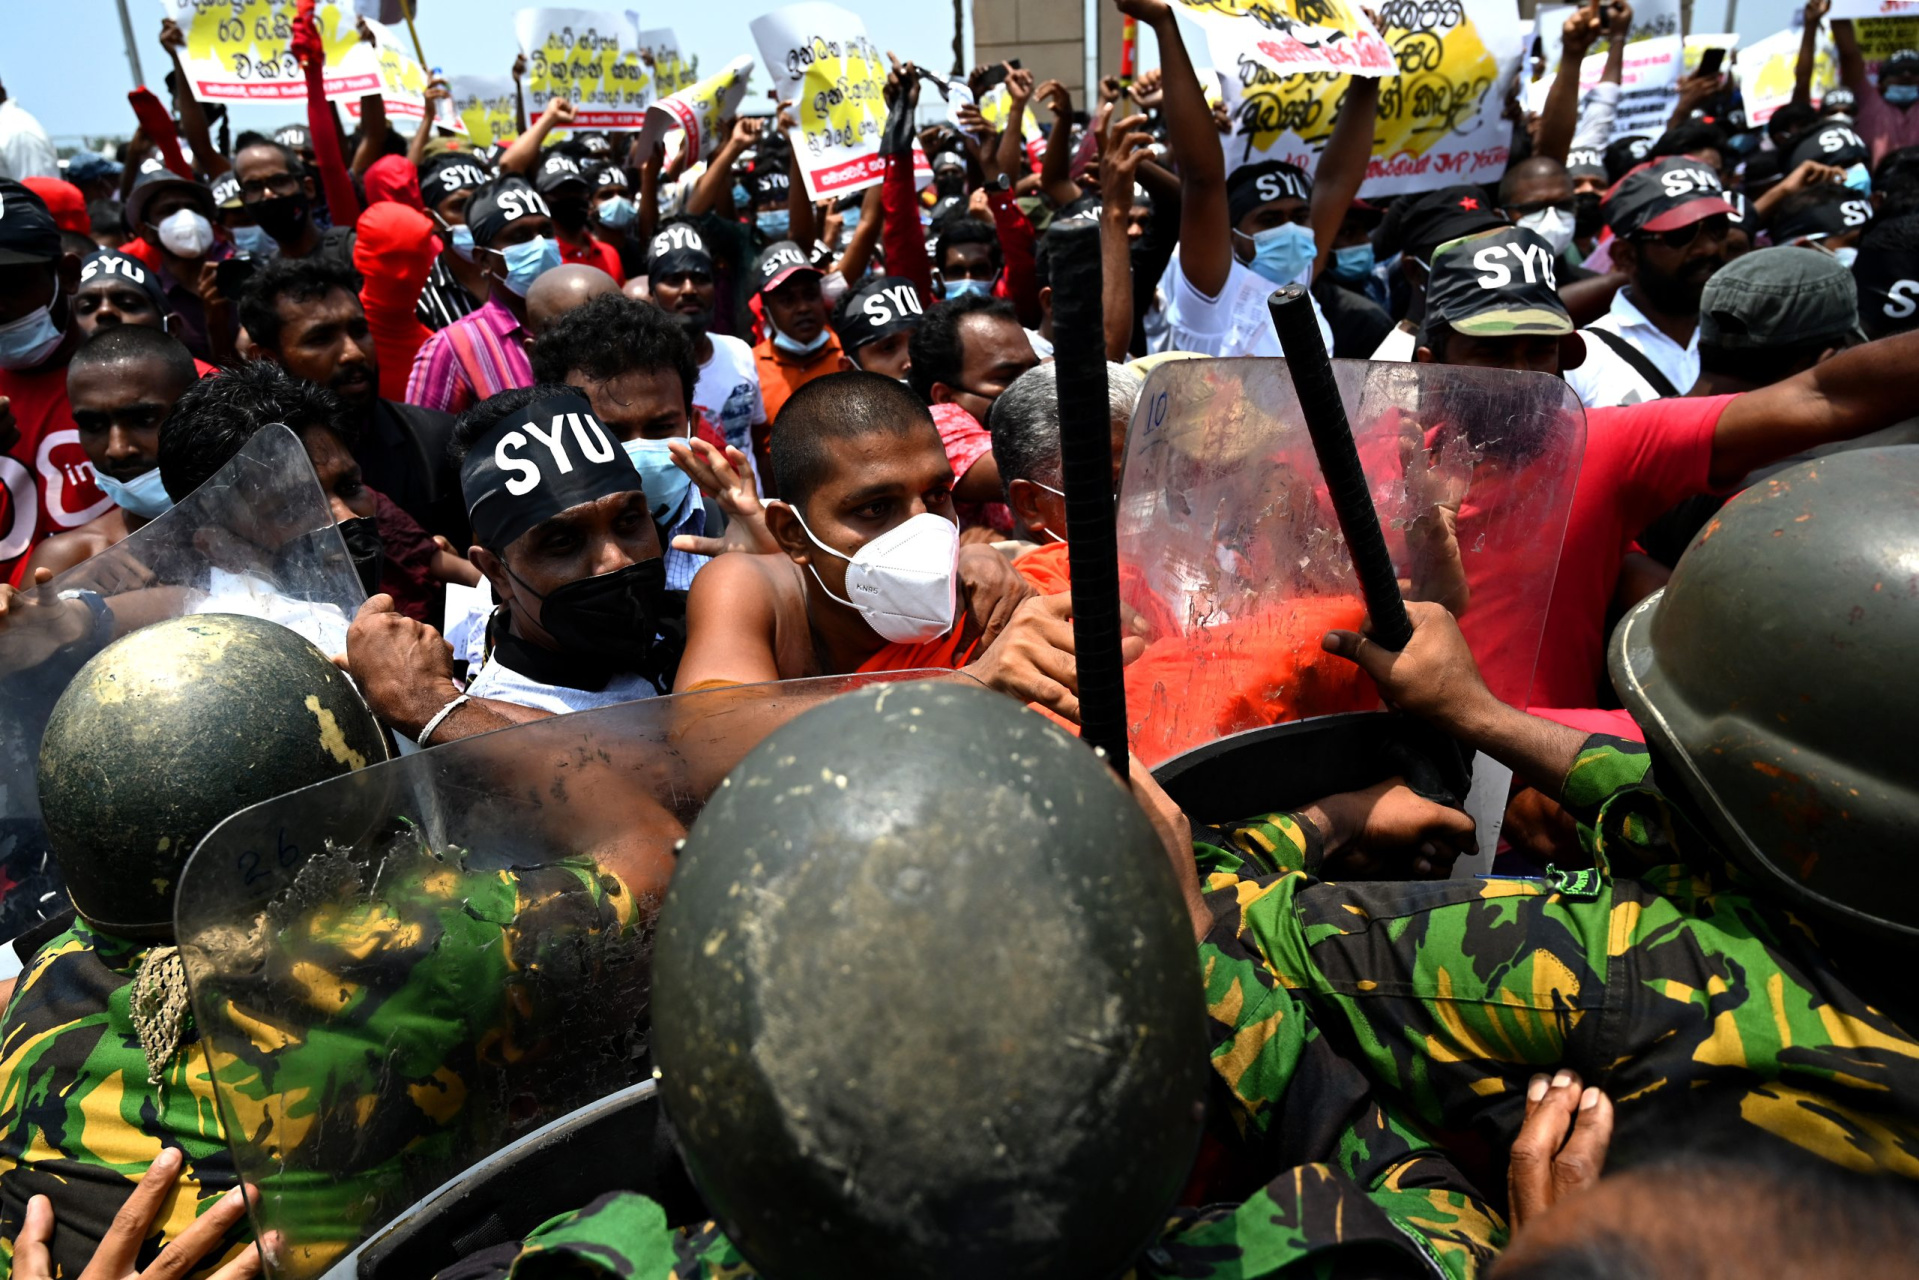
(1586, 216)
(613, 618)
(363, 543)
(282, 216)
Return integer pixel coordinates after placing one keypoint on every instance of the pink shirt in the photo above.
(1883, 126)
(476, 356)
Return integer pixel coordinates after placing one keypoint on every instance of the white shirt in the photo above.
(728, 392)
(1397, 347)
(1236, 323)
(503, 684)
(25, 149)
(1603, 379)
(1041, 347)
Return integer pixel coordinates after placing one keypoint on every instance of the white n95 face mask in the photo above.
(1553, 224)
(905, 583)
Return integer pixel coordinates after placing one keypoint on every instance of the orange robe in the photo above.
(949, 652)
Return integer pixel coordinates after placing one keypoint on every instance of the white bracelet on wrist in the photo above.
(438, 717)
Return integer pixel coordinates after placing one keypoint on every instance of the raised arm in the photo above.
(192, 116)
(1055, 179)
(718, 178)
(1852, 63)
(373, 131)
(865, 237)
(519, 92)
(1205, 229)
(523, 156)
(1342, 165)
(900, 234)
(649, 219)
(1864, 389)
(1560, 116)
(436, 93)
(1809, 51)
(1122, 148)
(343, 203)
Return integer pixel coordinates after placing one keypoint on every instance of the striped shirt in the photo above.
(444, 299)
(469, 360)
(682, 565)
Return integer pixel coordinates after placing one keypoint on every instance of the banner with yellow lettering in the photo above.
(1880, 38)
(484, 106)
(1440, 109)
(671, 73)
(402, 79)
(241, 50)
(590, 57)
(1295, 37)
(698, 110)
(821, 60)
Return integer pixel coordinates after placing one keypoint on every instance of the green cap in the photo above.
(1780, 297)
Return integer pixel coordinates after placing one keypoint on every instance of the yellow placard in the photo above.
(241, 50)
(589, 57)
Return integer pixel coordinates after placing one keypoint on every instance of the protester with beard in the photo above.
(1669, 220)
(567, 185)
(728, 389)
(306, 317)
(277, 192)
(121, 384)
(215, 418)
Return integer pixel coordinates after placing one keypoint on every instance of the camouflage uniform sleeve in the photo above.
(1271, 844)
(624, 1236)
(1625, 822)
(1360, 1178)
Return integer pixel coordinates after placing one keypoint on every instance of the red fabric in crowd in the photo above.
(46, 481)
(393, 179)
(158, 124)
(407, 573)
(64, 202)
(595, 253)
(393, 253)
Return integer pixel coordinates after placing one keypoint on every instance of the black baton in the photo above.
(1325, 413)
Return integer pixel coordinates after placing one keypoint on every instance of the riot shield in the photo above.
(400, 972)
(1232, 561)
(257, 538)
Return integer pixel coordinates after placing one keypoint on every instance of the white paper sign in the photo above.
(402, 79)
(1874, 9)
(242, 50)
(1294, 37)
(1648, 86)
(821, 60)
(591, 57)
(671, 72)
(485, 106)
(699, 110)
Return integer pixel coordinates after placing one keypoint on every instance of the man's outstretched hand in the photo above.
(1434, 677)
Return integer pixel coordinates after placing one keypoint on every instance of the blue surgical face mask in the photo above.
(619, 212)
(527, 262)
(1858, 177)
(794, 347)
(28, 341)
(851, 218)
(1354, 262)
(1900, 95)
(774, 222)
(1284, 253)
(254, 242)
(741, 199)
(463, 242)
(143, 496)
(1847, 256)
(665, 484)
(960, 288)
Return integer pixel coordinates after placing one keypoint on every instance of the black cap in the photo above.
(771, 184)
(1664, 195)
(1837, 99)
(1427, 221)
(781, 259)
(27, 230)
(451, 172)
(296, 136)
(1497, 284)
(124, 266)
(155, 179)
(501, 203)
(1587, 162)
(1901, 62)
(1834, 144)
(1887, 273)
(1837, 211)
(678, 247)
(879, 308)
(600, 176)
(1252, 185)
(558, 169)
(1623, 153)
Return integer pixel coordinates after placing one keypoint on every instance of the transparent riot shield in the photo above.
(400, 973)
(1233, 566)
(256, 539)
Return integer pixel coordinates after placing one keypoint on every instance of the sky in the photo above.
(77, 86)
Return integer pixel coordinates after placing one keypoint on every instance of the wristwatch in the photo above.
(1001, 183)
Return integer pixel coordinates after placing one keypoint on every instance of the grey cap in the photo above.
(1779, 297)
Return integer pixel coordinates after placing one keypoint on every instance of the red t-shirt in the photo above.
(46, 482)
(595, 253)
(1640, 461)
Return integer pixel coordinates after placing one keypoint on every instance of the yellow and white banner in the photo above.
(402, 79)
(821, 60)
(484, 106)
(590, 57)
(241, 50)
(1302, 37)
(1440, 109)
(671, 72)
(1874, 9)
(699, 110)
(1880, 38)
(1767, 67)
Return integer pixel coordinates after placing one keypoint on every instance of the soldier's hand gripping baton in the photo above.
(1325, 414)
(1086, 467)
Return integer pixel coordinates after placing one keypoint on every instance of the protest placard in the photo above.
(590, 57)
(241, 50)
(671, 72)
(1648, 84)
(821, 60)
(1440, 116)
(1295, 37)
(1874, 9)
(402, 78)
(1880, 38)
(485, 106)
(698, 110)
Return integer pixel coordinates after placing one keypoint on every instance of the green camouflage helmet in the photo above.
(167, 731)
(926, 998)
(1775, 675)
